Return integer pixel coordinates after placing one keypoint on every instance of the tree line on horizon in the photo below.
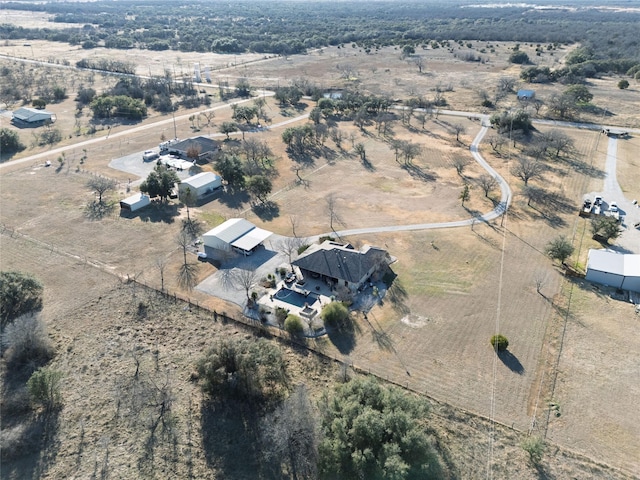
(286, 28)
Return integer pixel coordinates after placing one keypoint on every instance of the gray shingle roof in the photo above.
(340, 262)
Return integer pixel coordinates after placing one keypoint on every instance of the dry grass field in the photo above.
(454, 287)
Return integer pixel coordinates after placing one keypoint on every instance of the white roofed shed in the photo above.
(614, 269)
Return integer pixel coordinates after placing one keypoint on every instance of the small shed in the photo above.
(201, 185)
(526, 95)
(135, 202)
(32, 117)
(236, 234)
(614, 269)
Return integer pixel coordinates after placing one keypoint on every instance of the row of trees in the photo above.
(295, 27)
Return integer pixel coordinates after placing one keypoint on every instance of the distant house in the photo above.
(201, 185)
(237, 234)
(207, 149)
(32, 117)
(526, 95)
(135, 202)
(614, 269)
(342, 265)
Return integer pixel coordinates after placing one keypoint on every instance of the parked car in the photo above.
(613, 207)
(597, 200)
(202, 256)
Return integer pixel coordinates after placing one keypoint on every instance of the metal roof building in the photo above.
(235, 234)
(201, 184)
(614, 269)
(32, 117)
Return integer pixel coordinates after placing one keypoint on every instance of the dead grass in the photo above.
(461, 285)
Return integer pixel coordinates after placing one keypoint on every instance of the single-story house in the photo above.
(614, 269)
(201, 185)
(135, 202)
(526, 95)
(32, 117)
(207, 149)
(236, 234)
(342, 265)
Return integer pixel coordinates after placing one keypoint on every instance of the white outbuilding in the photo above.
(201, 185)
(614, 269)
(236, 234)
(135, 202)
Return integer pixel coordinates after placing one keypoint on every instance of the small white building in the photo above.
(614, 269)
(201, 185)
(135, 202)
(236, 234)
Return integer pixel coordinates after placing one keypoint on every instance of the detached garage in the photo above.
(135, 202)
(236, 234)
(201, 185)
(614, 269)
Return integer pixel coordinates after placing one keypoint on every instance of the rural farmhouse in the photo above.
(614, 269)
(342, 265)
(205, 148)
(236, 234)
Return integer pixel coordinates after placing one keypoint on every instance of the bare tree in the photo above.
(347, 71)
(460, 163)
(540, 280)
(245, 279)
(558, 141)
(418, 61)
(161, 265)
(101, 186)
(209, 115)
(188, 272)
(359, 148)
(487, 183)
(496, 141)
(294, 220)
(331, 207)
(290, 245)
(458, 129)
(410, 151)
(533, 194)
(289, 436)
(527, 169)
(506, 84)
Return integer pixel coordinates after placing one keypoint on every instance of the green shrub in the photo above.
(302, 248)
(20, 293)
(534, 446)
(499, 342)
(293, 325)
(334, 314)
(246, 368)
(44, 388)
(281, 315)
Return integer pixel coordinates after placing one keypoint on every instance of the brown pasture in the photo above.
(461, 285)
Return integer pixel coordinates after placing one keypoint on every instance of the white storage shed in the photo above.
(614, 269)
(202, 184)
(135, 202)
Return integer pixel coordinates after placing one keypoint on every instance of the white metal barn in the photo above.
(236, 234)
(614, 269)
(201, 184)
(135, 202)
